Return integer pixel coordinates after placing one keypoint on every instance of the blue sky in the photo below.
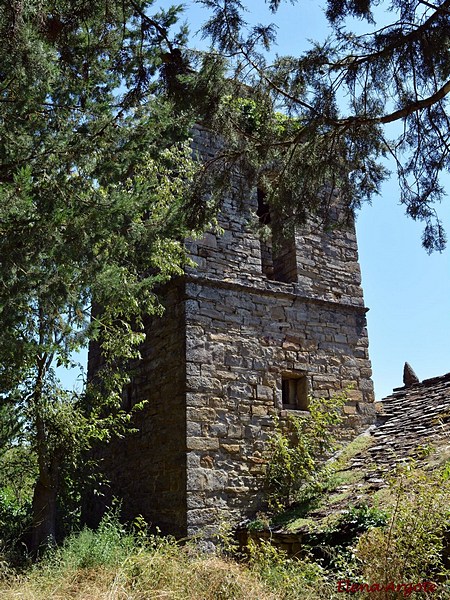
(406, 290)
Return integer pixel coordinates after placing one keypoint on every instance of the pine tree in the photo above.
(339, 97)
(95, 174)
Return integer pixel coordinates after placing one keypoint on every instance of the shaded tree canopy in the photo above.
(340, 96)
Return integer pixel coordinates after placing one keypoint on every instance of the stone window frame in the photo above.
(129, 393)
(279, 265)
(295, 391)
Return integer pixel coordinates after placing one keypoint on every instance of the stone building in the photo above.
(246, 336)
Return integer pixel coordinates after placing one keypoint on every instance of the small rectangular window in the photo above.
(128, 396)
(294, 392)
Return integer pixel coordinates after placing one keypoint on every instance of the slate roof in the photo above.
(413, 422)
(411, 417)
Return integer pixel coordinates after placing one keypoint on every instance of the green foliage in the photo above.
(10, 425)
(15, 518)
(333, 546)
(95, 186)
(18, 471)
(259, 523)
(289, 577)
(297, 449)
(108, 546)
(254, 117)
(413, 547)
(361, 518)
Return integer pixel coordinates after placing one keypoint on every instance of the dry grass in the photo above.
(142, 576)
(116, 563)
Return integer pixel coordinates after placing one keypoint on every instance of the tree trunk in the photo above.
(44, 513)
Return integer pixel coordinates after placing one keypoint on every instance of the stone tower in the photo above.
(246, 335)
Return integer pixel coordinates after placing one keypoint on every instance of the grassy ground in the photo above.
(113, 564)
(141, 576)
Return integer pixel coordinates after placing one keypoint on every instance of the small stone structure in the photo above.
(245, 337)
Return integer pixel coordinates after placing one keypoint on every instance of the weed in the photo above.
(297, 449)
(413, 546)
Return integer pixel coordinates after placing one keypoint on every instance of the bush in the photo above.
(289, 578)
(17, 477)
(15, 518)
(108, 546)
(413, 546)
(333, 546)
(296, 451)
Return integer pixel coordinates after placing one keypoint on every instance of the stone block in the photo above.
(231, 448)
(257, 469)
(203, 384)
(193, 429)
(201, 517)
(202, 443)
(259, 411)
(218, 430)
(233, 360)
(198, 355)
(264, 392)
(193, 460)
(201, 414)
(206, 480)
(355, 395)
(207, 462)
(235, 431)
(195, 501)
(239, 390)
(237, 490)
(366, 385)
(208, 240)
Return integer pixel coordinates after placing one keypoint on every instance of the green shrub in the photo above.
(359, 519)
(17, 478)
(413, 545)
(15, 518)
(297, 449)
(88, 549)
(333, 546)
(290, 578)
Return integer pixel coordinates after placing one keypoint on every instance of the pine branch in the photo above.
(407, 110)
(401, 40)
(161, 30)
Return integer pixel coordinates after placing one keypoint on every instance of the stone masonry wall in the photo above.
(147, 469)
(212, 367)
(327, 264)
(243, 332)
(326, 261)
(239, 343)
